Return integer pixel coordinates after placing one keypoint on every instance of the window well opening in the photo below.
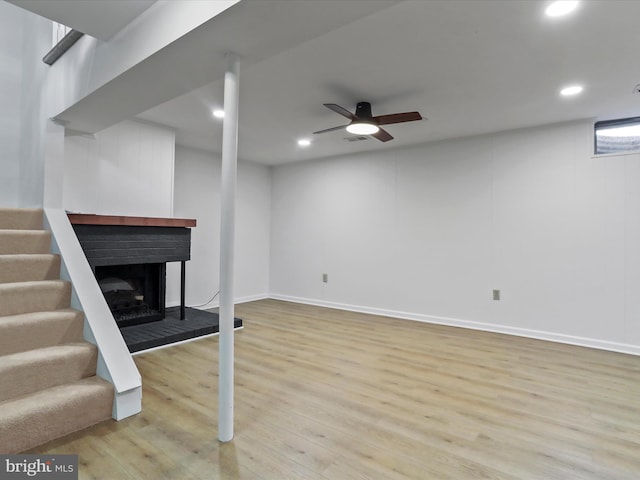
(617, 136)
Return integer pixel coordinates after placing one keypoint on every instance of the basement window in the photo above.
(63, 39)
(59, 32)
(617, 136)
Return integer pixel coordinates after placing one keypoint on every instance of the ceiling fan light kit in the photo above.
(362, 128)
(364, 123)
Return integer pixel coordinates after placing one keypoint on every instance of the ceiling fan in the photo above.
(363, 123)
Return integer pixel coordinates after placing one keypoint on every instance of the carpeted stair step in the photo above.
(24, 241)
(29, 331)
(27, 372)
(21, 218)
(25, 268)
(41, 296)
(32, 420)
(48, 382)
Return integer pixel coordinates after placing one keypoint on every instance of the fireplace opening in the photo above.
(135, 293)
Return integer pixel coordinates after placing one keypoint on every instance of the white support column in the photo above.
(227, 228)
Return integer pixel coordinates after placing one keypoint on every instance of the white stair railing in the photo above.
(115, 363)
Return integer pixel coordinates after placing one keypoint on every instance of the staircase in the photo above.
(48, 382)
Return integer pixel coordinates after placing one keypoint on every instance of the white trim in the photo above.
(115, 364)
(617, 154)
(487, 327)
(252, 298)
(215, 303)
(174, 344)
(127, 404)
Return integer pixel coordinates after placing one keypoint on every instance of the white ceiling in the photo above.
(99, 18)
(469, 67)
(255, 30)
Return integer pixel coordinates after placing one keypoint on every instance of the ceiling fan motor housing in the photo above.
(363, 110)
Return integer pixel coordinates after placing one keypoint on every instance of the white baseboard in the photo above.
(216, 303)
(455, 322)
(252, 298)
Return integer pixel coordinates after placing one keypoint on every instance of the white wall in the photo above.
(21, 73)
(47, 91)
(35, 103)
(130, 169)
(126, 170)
(197, 195)
(11, 19)
(427, 232)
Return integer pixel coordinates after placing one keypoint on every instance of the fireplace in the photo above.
(128, 256)
(135, 293)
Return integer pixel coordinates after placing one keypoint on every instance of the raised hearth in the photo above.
(171, 329)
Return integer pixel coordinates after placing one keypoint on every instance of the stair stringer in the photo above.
(115, 363)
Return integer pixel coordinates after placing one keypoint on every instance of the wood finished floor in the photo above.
(325, 394)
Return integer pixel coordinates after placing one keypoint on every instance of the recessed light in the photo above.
(571, 90)
(303, 142)
(561, 8)
(218, 113)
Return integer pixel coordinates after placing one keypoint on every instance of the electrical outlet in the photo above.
(325, 277)
(496, 294)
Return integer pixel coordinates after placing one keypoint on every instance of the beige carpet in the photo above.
(48, 382)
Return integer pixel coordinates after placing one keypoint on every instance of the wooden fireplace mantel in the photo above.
(91, 219)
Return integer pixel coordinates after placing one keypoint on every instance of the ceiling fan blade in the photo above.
(330, 129)
(397, 118)
(382, 135)
(342, 111)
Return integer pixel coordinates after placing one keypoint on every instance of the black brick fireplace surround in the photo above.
(128, 256)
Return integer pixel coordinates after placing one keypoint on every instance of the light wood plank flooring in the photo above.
(326, 394)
